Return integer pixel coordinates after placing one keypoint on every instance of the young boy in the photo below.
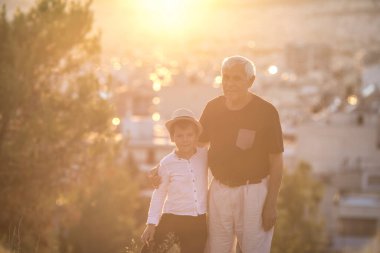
(179, 205)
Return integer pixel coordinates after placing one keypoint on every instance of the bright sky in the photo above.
(144, 24)
(169, 15)
(153, 18)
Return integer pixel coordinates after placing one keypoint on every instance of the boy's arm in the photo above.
(158, 197)
(148, 234)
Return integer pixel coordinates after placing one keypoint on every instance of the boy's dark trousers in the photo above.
(189, 231)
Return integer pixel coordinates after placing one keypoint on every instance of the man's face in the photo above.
(235, 83)
(185, 139)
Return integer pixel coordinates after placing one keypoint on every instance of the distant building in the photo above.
(193, 96)
(146, 141)
(351, 208)
(343, 147)
(146, 138)
(358, 219)
(302, 58)
(370, 66)
(370, 90)
(340, 140)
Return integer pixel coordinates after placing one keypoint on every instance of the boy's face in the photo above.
(185, 139)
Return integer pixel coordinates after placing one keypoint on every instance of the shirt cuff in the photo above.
(152, 220)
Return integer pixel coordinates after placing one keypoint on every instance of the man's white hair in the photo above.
(249, 66)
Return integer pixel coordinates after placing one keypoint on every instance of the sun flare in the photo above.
(169, 15)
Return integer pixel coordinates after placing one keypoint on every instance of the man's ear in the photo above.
(251, 80)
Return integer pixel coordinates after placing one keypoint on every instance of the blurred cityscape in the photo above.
(318, 62)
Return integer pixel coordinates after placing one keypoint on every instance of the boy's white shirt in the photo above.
(183, 188)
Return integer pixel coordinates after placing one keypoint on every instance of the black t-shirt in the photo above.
(241, 140)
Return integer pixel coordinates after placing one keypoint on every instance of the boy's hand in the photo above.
(148, 234)
(154, 178)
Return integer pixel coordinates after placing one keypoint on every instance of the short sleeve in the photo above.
(205, 122)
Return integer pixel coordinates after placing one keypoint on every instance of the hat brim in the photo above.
(170, 123)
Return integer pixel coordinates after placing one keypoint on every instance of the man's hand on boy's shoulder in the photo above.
(203, 144)
(153, 177)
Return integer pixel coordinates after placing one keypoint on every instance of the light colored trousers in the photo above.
(235, 213)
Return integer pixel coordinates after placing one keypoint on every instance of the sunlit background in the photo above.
(318, 62)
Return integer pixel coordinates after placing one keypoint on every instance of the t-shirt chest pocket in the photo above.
(245, 138)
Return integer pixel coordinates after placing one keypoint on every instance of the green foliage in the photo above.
(169, 245)
(107, 216)
(57, 145)
(299, 227)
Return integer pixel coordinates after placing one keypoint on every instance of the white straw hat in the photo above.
(183, 114)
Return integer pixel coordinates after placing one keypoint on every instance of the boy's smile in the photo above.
(186, 140)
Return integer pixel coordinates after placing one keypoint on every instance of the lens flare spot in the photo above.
(156, 116)
(273, 69)
(156, 100)
(352, 100)
(115, 121)
(156, 86)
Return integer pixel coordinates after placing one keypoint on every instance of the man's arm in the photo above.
(269, 214)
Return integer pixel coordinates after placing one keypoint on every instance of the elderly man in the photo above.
(245, 158)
